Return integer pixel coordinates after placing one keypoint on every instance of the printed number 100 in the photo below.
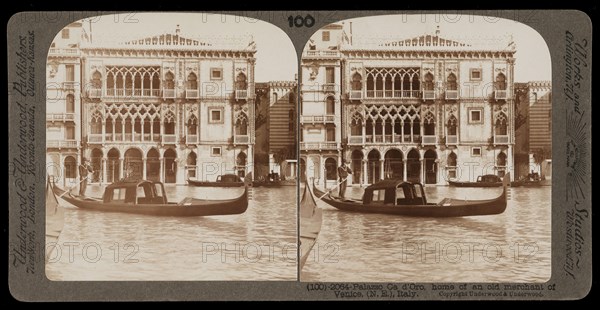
(299, 21)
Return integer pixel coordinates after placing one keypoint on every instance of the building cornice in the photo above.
(172, 53)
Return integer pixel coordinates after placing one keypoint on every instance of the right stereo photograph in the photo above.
(425, 151)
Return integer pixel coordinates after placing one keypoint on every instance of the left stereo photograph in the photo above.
(171, 145)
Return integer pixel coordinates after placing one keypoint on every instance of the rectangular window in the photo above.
(330, 134)
(329, 75)
(475, 115)
(70, 133)
(215, 151)
(475, 151)
(452, 174)
(216, 115)
(65, 33)
(325, 36)
(70, 71)
(216, 74)
(475, 74)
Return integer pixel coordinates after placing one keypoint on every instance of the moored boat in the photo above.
(225, 180)
(311, 217)
(149, 198)
(488, 180)
(398, 197)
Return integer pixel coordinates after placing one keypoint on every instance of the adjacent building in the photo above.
(276, 128)
(533, 128)
(63, 108)
(422, 109)
(166, 107)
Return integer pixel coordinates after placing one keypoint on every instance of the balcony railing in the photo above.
(95, 92)
(401, 94)
(241, 139)
(69, 85)
(500, 139)
(60, 117)
(451, 94)
(429, 140)
(168, 93)
(319, 145)
(63, 51)
(191, 139)
(451, 140)
(355, 140)
(192, 94)
(429, 95)
(169, 139)
(323, 54)
(129, 92)
(241, 94)
(95, 138)
(62, 143)
(500, 94)
(329, 87)
(328, 118)
(391, 138)
(356, 94)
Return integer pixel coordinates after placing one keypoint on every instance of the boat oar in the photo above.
(329, 190)
(71, 188)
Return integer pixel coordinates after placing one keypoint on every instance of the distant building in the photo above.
(63, 108)
(166, 107)
(422, 109)
(276, 142)
(533, 128)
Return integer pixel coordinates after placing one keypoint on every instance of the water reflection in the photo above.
(257, 245)
(509, 247)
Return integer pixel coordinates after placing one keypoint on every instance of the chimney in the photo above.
(177, 30)
(437, 31)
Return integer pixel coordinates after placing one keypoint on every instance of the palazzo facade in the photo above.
(424, 109)
(167, 108)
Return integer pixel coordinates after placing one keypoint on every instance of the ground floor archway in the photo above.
(430, 158)
(170, 168)
(96, 161)
(133, 164)
(302, 170)
(113, 166)
(331, 168)
(357, 159)
(373, 166)
(413, 166)
(394, 164)
(153, 165)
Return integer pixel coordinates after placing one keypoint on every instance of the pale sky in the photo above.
(532, 54)
(276, 58)
(275, 54)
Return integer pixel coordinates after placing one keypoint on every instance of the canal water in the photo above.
(257, 245)
(509, 247)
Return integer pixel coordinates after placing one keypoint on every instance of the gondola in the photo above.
(397, 197)
(488, 180)
(149, 198)
(55, 219)
(226, 180)
(311, 217)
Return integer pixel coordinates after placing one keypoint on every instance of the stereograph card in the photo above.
(271, 155)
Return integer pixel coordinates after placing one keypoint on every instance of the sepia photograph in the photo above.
(425, 151)
(171, 149)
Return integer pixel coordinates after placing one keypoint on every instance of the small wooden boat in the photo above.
(149, 198)
(311, 218)
(225, 180)
(488, 180)
(398, 197)
(55, 219)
